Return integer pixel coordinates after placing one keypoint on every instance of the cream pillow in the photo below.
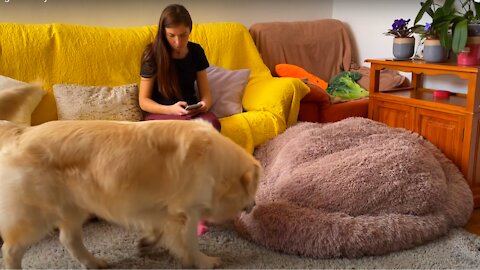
(18, 100)
(227, 88)
(81, 102)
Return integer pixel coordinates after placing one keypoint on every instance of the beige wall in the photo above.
(368, 30)
(146, 12)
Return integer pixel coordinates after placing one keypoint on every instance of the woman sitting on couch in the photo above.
(170, 67)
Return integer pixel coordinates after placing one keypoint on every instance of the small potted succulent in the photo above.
(403, 42)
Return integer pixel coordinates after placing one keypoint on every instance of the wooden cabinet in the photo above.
(451, 123)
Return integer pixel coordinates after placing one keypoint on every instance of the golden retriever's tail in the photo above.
(9, 131)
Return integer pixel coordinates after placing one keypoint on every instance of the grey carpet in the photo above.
(458, 249)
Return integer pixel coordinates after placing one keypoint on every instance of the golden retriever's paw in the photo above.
(146, 245)
(150, 242)
(97, 263)
(207, 262)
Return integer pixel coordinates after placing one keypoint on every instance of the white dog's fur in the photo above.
(159, 177)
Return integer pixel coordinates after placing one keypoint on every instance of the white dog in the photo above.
(160, 177)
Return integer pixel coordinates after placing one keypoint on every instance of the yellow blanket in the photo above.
(89, 55)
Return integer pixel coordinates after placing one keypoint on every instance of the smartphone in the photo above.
(193, 106)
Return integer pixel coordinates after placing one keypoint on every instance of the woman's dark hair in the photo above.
(160, 50)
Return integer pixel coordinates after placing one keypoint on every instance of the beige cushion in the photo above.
(81, 102)
(18, 100)
(227, 88)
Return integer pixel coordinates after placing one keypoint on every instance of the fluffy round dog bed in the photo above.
(353, 188)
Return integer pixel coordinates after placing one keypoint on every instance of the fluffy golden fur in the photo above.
(159, 177)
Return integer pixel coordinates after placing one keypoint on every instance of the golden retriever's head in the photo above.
(236, 193)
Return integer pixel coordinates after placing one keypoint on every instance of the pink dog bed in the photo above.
(353, 188)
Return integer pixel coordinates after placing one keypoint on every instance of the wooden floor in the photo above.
(473, 224)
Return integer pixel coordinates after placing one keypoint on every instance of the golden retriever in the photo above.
(159, 177)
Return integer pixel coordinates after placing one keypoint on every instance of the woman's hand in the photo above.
(178, 108)
(199, 110)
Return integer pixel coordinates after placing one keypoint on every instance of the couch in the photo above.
(324, 49)
(103, 56)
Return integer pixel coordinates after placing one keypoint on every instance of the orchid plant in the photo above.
(400, 29)
(450, 24)
(426, 31)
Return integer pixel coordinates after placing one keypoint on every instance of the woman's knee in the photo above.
(212, 119)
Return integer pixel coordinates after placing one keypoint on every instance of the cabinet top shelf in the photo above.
(447, 66)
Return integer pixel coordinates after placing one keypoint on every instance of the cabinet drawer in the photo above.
(444, 130)
(393, 114)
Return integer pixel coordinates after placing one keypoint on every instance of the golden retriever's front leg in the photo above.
(182, 241)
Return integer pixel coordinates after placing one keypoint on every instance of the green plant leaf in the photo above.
(447, 9)
(477, 9)
(468, 15)
(449, 5)
(442, 30)
(456, 20)
(460, 34)
(426, 7)
(439, 14)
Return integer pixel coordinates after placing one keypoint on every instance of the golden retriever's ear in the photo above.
(250, 179)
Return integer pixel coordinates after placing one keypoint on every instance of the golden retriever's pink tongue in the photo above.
(201, 228)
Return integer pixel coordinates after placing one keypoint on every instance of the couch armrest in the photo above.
(317, 95)
(237, 128)
(279, 96)
(251, 129)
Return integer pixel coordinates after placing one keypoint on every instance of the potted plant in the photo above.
(471, 11)
(403, 42)
(470, 55)
(433, 51)
(450, 23)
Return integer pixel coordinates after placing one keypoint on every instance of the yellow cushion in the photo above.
(105, 56)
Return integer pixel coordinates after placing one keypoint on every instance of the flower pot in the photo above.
(433, 52)
(470, 56)
(403, 48)
(473, 29)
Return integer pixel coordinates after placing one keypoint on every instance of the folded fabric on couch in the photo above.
(18, 100)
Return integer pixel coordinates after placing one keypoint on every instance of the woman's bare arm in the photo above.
(149, 105)
(204, 90)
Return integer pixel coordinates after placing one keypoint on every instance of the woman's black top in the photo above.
(186, 69)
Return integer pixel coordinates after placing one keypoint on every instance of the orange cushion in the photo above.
(294, 71)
